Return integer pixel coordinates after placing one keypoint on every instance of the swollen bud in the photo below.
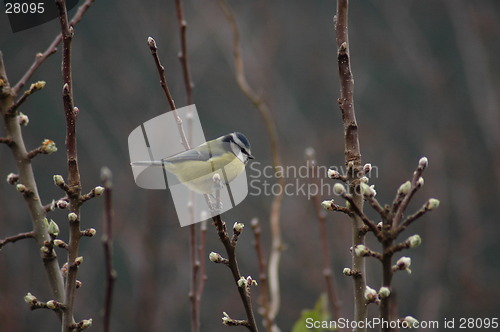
(72, 217)
(367, 168)
(333, 174)
(53, 229)
(432, 204)
(371, 294)
(412, 322)
(339, 189)
(327, 205)
(404, 188)
(423, 162)
(58, 180)
(48, 146)
(21, 187)
(238, 227)
(360, 250)
(23, 119)
(12, 178)
(30, 299)
(51, 304)
(414, 240)
(215, 257)
(384, 292)
(98, 190)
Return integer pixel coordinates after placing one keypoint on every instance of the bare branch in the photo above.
(33, 88)
(323, 234)
(41, 57)
(352, 152)
(265, 112)
(233, 265)
(74, 185)
(107, 242)
(14, 238)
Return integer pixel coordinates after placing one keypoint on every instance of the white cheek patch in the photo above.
(241, 156)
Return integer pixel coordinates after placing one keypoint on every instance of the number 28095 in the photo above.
(24, 8)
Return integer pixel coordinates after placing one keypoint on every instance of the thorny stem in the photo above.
(265, 112)
(351, 151)
(26, 177)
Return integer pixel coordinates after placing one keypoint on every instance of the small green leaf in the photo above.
(320, 313)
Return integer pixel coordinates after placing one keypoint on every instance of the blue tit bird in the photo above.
(195, 168)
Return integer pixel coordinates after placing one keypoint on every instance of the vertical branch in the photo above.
(264, 301)
(27, 178)
(323, 234)
(183, 56)
(201, 255)
(197, 275)
(74, 185)
(107, 242)
(351, 151)
(265, 112)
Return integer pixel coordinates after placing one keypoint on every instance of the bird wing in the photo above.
(193, 154)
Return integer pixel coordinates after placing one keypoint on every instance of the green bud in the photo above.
(404, 189)
(98, 190)
(51, 304)
(72, 217)
(327, 205)
(432, 204)
(339, 189)
(58, 180)
(414, 240)
(53, 228)
(30, 299)
(384, 292)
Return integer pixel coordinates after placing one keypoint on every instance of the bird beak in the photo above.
(251, 157)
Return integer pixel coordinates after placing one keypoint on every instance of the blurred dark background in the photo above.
(426, 83)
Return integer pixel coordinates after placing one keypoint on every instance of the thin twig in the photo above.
(166, 90)
(358, 212)
(41, 57)
(197, 276)
(201, 255)
(323, 233)
(264, 300)
(233, 265)
(183, 55)
(265, 112)
(401, 208)
(33, 88)
(352, 151)
(14, 238)
(107, 242)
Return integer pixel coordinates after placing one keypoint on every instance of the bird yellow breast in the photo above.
(198, 176)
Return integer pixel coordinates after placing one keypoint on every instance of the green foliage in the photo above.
(319, 313)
